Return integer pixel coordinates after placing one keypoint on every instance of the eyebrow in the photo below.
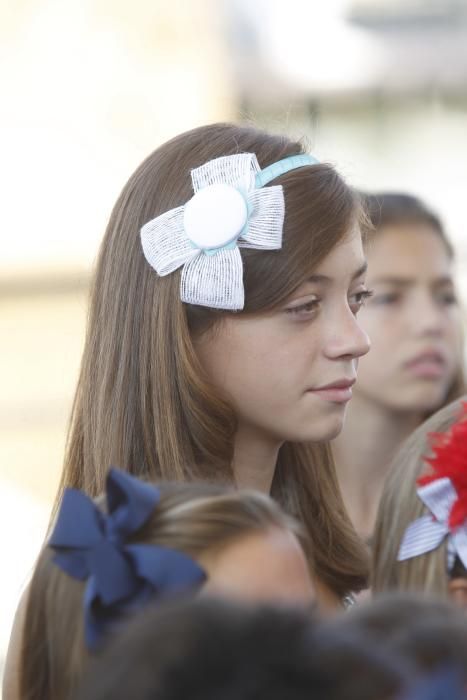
(324, 279)
(407, 282)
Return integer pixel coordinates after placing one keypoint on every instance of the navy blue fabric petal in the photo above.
(130, 502)
(113, 573)
(78, 529)
(79, 524)
(168, 570)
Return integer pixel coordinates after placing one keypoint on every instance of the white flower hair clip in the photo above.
(229, 210)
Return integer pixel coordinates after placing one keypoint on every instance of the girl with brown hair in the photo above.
(222, 341)
(106, 561)
(416, 361)
(182, 391)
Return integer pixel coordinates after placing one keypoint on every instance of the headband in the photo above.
(95, 547)
(444, 493)
(229, 210)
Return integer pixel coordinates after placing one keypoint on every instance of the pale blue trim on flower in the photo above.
(228, 246)
(283, 166)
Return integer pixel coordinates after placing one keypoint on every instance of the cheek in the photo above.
(245, 364)
(454, 331)
(266, 373)
(383, 331)
(375, 365)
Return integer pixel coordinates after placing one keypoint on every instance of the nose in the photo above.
(427, 316)
(349, 340)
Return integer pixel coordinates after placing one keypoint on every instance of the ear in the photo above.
(457, 588)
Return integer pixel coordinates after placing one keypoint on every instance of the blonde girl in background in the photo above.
(421, 529)
(416, 361)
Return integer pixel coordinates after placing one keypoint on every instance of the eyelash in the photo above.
(310, 307)
(363, 297)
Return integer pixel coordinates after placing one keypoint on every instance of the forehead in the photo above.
(267, 565)
(409, 250)
(346, 256)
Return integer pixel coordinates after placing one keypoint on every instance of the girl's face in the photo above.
(458, 591)
(288, 373)
(412, 319)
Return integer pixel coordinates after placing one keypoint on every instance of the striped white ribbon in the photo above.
(428, 532)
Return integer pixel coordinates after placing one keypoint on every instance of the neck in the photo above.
(363, 453)
(254, 460)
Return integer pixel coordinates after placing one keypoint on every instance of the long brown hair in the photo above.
(393, 209)
(142, 401)
(400, 506)
(192, 518)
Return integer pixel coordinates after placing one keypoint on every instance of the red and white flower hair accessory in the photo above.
(230, 209)
(444, 492)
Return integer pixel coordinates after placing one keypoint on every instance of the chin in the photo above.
(330, 434)
(321, 430)
(424, 399)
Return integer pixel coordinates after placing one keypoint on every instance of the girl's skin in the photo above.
(273, 367)
(458, 591)
(413, 320)
(263, 567)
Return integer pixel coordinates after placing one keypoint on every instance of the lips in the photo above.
(339, 391)
(429, 364)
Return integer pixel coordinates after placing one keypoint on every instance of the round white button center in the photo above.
(215, 216)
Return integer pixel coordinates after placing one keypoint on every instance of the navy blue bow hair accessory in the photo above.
(92, 546)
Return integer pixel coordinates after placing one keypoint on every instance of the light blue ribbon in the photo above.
(283, 166)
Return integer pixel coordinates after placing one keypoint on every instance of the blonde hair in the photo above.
(400, 506)
(143, 401)
(191, 518)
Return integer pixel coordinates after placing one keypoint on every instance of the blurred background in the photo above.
(89, 87)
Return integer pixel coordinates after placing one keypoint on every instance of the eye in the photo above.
(446, 297)
(304, 311)
(386, 299)
(357, 300)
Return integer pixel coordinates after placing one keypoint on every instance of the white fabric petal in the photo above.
(439, 497)
(423, 535)
(238, 170)
(266, 219)
(214, 280)
(165, 244)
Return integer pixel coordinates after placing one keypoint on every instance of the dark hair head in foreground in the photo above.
(219, 651)
(429, 633)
